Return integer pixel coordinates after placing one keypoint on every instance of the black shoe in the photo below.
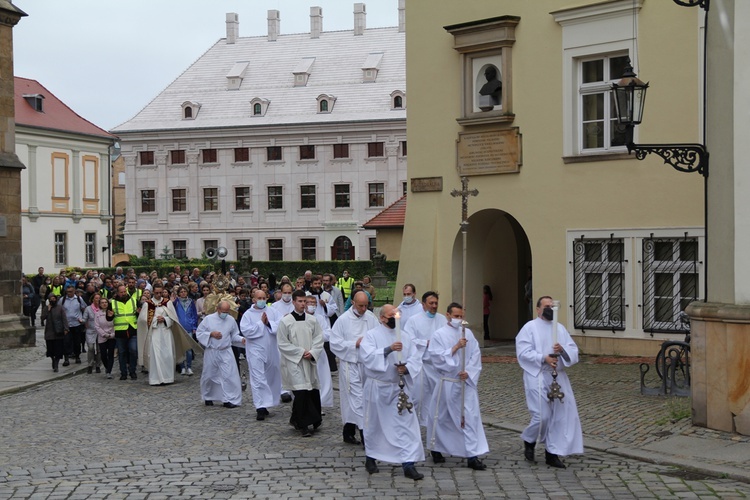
(476, 464)
(98, 370)
(133, 376)
(316, 425)
(66, 362)
(260, 414)
(55, 363)
(351, 439)
(90, 370)
(362, 437)
(83, 350)
(371, 466)
(553, 460)
(230, 405)
(78, 360)
(412, 473)
(208, 403)
(265, 411)
(306, 433)
(437, 457)
(528, 451)
(286, 398)
(123, 377)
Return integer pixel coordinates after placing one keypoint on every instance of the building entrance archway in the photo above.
(499, 255)
(342, 249)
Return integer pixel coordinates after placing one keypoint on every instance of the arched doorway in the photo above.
(499, 255)
(342, 249)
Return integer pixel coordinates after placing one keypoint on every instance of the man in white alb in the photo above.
(410, 305)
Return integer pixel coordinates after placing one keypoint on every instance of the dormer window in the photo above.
(36, 101)
(235, 75)
(302, 71)
(371, 67)
(190, 110)
(398, 100)
(325, 103)
(259, 106)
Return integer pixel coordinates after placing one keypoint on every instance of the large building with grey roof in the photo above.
(278, 146)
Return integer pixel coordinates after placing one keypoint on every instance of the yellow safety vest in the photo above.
(346, 285)
(57, 290)
(125, 314)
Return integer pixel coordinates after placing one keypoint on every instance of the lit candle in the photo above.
(398, 333)
(555, 308)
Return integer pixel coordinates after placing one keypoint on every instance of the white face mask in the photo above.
(260, 303)
(408, 299)
(456, 322)
(310, 309)
(286, 297)
(223, 315)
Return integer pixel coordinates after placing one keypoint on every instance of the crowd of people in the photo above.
(406, 367)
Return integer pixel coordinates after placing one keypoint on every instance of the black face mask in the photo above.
(547, 313)
(52, 303)
(391, 323)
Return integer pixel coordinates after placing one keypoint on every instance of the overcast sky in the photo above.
(107, 59)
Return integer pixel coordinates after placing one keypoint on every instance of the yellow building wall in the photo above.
(548, 197)
(389, 242)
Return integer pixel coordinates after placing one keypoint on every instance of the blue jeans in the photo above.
(127, 353)
(188, 363)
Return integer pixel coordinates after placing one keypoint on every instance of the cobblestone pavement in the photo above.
(89, 437)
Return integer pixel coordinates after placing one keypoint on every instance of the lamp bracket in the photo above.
(703, 4)
(682, 157)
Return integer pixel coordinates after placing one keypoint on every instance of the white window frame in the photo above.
(61, 248)
(89, 249)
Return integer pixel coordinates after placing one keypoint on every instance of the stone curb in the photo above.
(53, 376)
(684, 463)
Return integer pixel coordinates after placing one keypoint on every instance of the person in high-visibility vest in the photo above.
(123, 312)
(57, 287)
(345, 284)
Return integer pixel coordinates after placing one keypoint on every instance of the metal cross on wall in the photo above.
(464, 194)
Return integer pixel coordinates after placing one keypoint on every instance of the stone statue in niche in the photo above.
(491, 92)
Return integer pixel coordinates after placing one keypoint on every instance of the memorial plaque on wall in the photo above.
(426, 184)
(486, 153)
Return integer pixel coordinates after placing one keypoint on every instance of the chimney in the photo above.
(316, 22)
(401, 16)
(359, 19)
(233, 27)
(274, 25)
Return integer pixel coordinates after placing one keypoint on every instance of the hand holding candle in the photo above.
(398, 333)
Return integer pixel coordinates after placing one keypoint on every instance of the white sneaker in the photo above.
(190, 372)
(183, 372)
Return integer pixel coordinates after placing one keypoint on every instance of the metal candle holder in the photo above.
(403, 398)
(554, 387)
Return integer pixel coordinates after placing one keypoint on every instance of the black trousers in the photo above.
(306, 409)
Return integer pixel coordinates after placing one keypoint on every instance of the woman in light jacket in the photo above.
(93, 355)
(105, 332)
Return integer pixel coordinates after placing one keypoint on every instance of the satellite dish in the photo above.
(222, 252)
(211, 253)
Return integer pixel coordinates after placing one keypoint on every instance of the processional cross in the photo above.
(464, 193)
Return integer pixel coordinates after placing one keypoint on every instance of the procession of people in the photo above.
(399, 369)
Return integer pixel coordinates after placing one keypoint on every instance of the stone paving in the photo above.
(89, 437)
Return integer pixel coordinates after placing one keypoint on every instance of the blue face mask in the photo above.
(430, 315)
(223, 315)
(260, 304)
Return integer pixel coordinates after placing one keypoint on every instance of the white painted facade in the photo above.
(320, 89)
(64, 191)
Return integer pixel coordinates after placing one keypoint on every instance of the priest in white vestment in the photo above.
(259, 325)
(324, 369)
(391, 437)
(410, 305)
(554, 423)
(421, 328)
(300, 340)
(445, 432)
(165, 340)
(220, 380)
(346, 335)
(284, 307)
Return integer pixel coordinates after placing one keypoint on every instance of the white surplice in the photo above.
(324, 368)
(294, 338)
(161, 354)
(220, 380)
(283, 308)
(262, 355)
(344, 335)
(444, 432)
(409, 310)
(556, 424)
(390, 437)
(421, 327)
